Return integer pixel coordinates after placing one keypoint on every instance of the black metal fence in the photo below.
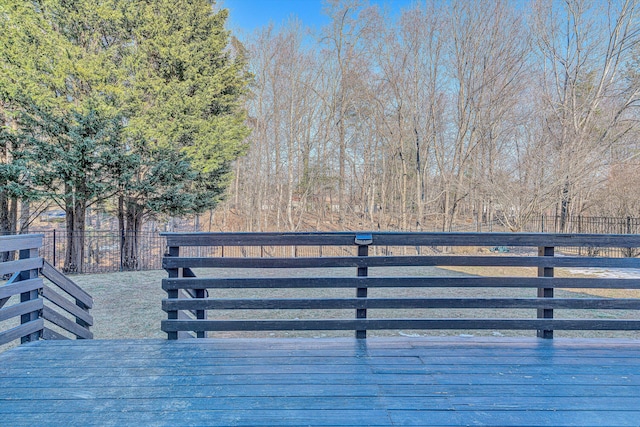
(584, 224)
(103, 249)
(589, 225)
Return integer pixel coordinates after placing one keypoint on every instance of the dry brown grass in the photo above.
(128, 305)
(559, 272)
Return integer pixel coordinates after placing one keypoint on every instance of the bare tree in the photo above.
(583, 47)
(345, 53)
(486, 60)
(441, 114)
(407, 109)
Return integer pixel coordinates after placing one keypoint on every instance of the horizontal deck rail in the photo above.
(31, 309)
(193, 306)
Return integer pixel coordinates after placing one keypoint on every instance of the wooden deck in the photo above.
(322, 382)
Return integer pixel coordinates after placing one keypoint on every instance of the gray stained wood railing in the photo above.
(188, 304)
(43, 311)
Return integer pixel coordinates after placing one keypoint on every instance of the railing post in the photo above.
(79, 321)
(363, 241)
(173, 251)
(196, 293)
(545, 313)
(28, 296)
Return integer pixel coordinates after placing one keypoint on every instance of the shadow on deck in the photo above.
(322, 382)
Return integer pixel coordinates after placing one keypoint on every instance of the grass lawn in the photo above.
(128, 305)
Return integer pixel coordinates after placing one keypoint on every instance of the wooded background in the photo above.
(442, 113)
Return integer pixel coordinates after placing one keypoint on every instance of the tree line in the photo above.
(443, 111)
(130, 106)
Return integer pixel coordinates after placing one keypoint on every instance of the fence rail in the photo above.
(31, 309)
(190, 299)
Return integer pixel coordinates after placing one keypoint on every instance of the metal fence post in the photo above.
(54, 247)
(122, 250)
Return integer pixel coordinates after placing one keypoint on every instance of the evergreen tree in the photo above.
(29, 63)
(136, 99)
(185, 121)
(61, 79)
(73, 162)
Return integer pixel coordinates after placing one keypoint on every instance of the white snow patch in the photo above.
(404, 334)
(609, 273)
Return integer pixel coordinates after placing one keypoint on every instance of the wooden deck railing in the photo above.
(42, 312)
(189, 304)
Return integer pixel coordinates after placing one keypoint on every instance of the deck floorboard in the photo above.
(322, 382)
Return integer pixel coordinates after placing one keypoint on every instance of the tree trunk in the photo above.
(419, 184)
(74, 252)
(7, 221)
(130, 234)
(25, 216)
(8, 214)
(403, 193)
(341, 166)
(565, 200)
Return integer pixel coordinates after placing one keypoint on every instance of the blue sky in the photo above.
(247, 15)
